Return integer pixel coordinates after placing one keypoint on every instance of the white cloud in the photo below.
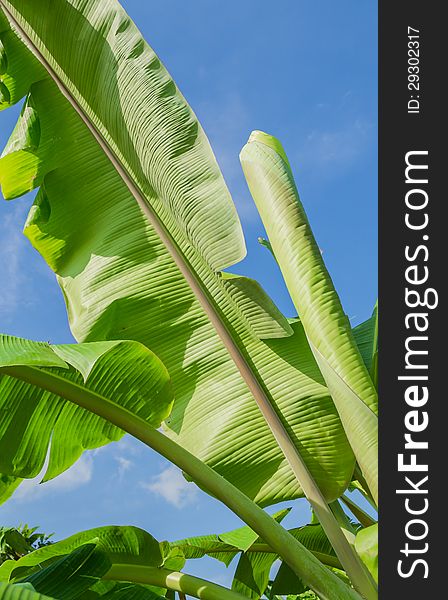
(173, 487)
(124, 464)
(78, 475)
(128, 445)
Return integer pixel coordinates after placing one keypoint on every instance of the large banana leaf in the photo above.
(19, 592)
(135, 219)
(327, 327)
(126, 372)
(72, 576)
(254, 565)
(127, 553)
(73, 569)
(366, 545)
(122, 545)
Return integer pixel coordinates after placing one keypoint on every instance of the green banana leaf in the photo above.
(70, 569)
(70, 577)
(244, 537)
(224, 546)
(252, 574)
(361, 515)
(271, 183)
(8, 485)
(286, 582)
(366, 544)
(73, 568)
(125, 372)
(256, 560)
(252, 571)
(313, 537)
(13, 542)
(122, 545)
(20, 592)
(135, 219)
(211, 545)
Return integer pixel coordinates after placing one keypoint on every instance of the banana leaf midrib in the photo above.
(257, 389)
(92, 307)
(180, 259)
(321, 357)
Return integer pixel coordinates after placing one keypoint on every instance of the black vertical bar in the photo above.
(412, 118)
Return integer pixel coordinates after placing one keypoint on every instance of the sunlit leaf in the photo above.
(144, 270)
(32, 419)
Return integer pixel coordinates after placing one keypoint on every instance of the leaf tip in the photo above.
(270, 141)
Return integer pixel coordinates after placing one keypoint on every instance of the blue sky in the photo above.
(303, 71)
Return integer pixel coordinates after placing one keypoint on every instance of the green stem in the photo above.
(173, 580)
(349, 531)
(344, 521)
(306, 566)
(364, 518)
(363, 487)
(326, 559)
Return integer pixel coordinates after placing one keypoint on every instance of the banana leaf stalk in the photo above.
(327, 585)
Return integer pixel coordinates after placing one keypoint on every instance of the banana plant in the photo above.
(133, 554)
(15, 542)
(99, 560)
(134, 217)
(82, 393)
(252, 576)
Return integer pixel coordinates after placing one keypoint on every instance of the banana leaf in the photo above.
(70, 577)
(327, 328)
(20, 592)
(366, 544)
(34, 420)
(122, 545)
(134, 217)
